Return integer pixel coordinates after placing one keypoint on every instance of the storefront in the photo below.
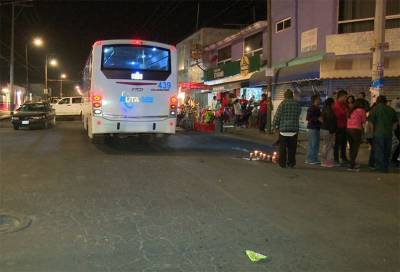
(301, 75)
(353, 73)
(5, 98)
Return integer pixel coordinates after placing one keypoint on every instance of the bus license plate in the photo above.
(25, 122)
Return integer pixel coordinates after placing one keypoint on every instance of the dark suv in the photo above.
(39, 114)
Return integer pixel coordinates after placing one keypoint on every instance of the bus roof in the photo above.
(135, 42)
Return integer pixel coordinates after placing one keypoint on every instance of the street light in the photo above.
(78, 89)
(37, 42)
(53, 62)
(62, 76)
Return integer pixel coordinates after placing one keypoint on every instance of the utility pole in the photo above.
(197, 17)
(12, 103)
(268, 70)
(379, 46)
(45, 75)
(61, 92)
(26, 67)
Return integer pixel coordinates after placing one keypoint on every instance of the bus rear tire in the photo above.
(98, 139)
(162, 138)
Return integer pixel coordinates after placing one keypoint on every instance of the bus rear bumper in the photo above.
(104, 126)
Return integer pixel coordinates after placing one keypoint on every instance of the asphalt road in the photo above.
(191, 204)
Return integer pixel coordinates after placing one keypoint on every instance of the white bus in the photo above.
(131, 87)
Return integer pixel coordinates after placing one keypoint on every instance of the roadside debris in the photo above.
(254, 256)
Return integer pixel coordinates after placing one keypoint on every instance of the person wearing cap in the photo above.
(286, 121)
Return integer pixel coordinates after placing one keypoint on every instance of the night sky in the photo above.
(69, 28)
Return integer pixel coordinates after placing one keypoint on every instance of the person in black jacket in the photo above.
(365, 102)
(328, 130)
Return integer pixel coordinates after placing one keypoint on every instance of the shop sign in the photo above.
(244, 66)
(226, 87)
(196, 51)
(193, 85)
(309, 40)
(269, 72)
(218, 73)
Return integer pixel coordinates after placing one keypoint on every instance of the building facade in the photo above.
(232, 61)
(322, 45)
(319, 46)
(191, 62)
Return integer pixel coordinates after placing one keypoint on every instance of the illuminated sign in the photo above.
(132, 99)
(136, 76)
(129, 99)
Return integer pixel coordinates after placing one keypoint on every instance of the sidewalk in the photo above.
(265, 138)
(253, 134)
(4, 115)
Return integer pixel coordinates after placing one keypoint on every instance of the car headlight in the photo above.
(14, 118)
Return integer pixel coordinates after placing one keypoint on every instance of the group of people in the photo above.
(246, 112)
(344, 120)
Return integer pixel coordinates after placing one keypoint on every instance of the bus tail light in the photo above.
(173, 101)
(97, 103)
(173, 105)
(96, 98)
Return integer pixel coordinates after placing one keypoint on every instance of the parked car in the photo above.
(54, 99)
(39, 114)
(69, 105)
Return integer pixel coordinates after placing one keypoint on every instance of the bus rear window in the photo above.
(132, 57)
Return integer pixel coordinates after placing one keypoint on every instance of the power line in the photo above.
(162, 18)
(16, 2)
(222, 12)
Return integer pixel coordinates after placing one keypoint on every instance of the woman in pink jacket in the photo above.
(355, 124)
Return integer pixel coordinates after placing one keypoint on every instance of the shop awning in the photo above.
(258, 79)
(302, 72)
(228, 79)
(298, 69)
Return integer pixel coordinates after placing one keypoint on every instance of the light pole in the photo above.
(78, 89)
(269, 71)
(378, 50)
(62, 76)
(52, 62)
(38, 42)
(11, 108)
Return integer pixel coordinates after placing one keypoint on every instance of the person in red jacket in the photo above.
(340, 111)
(262, 113)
